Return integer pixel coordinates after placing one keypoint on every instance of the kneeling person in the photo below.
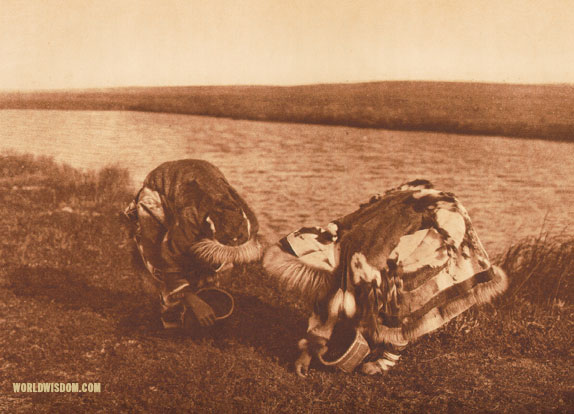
(189, 224)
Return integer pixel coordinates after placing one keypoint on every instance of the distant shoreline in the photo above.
(526, 111)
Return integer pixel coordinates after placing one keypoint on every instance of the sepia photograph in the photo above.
(272, 206)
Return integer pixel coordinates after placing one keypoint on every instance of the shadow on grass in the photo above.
(272, 330)
(133, 311)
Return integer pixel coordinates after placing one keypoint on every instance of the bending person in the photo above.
(189, 224)
(400, 266)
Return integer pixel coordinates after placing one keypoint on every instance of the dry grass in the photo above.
(48, 182)
(72, 309)
(541, 270)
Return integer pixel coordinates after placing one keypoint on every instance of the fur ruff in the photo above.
(215, 253)
(312, 283)
(434, 319)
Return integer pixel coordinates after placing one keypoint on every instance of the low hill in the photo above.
(538, 111)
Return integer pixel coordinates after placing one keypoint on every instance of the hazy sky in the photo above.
(93, 43)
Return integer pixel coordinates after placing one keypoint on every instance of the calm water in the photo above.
(297, 175)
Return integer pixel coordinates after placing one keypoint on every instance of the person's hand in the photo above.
(202, 311)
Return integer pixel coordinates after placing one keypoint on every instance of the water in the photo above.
(294, 175)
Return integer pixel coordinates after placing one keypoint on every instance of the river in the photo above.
(296, 174)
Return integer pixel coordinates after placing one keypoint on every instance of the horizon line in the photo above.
(224, 85)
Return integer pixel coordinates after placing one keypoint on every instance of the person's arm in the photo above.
(182, 234)
(202, 311)
(180, 291)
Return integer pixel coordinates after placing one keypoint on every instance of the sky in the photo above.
(62, 44)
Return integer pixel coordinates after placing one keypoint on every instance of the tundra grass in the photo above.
(73, 308)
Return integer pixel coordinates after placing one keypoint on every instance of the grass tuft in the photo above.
(42, 180)
(541, 270)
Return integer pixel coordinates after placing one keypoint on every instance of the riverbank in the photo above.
(529, 111)
(74, 309)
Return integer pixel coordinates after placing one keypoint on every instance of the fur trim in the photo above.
(294, 275)
(215, 253)
(388, 335)
(500, 284)
(436, 317)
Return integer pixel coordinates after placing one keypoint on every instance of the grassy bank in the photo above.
(539, 111)
(74, 309)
